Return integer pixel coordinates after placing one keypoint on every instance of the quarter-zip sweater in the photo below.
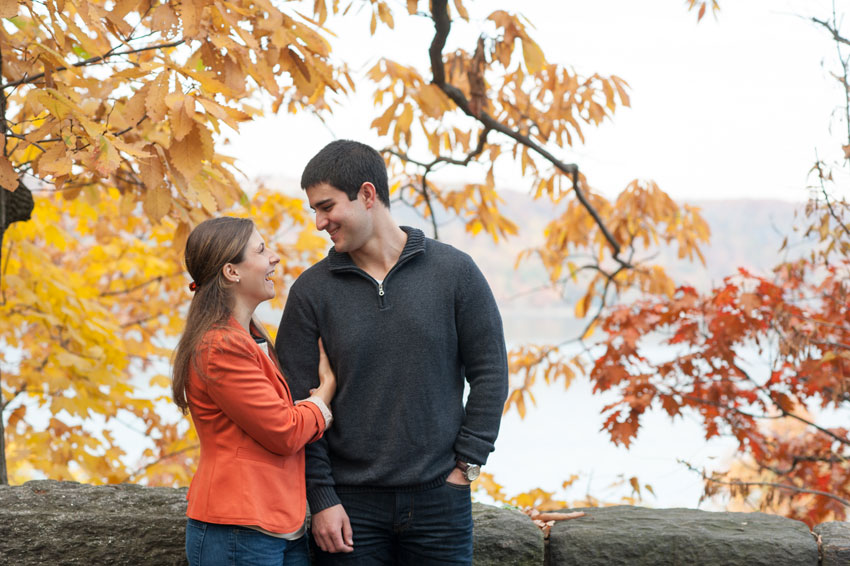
(401, 350)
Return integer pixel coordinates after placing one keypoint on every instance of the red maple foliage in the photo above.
(765, 360)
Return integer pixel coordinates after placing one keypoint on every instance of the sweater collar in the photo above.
(415, 244)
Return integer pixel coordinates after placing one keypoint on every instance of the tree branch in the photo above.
(91, 61)
(835, 35)
(442, 24)
(794, 488)
(156, 279)
(162, 458)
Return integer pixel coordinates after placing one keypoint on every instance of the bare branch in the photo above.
(835, 35)
(161, 459)
(156, 279)
(784, 486)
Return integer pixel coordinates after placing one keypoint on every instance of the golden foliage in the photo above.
(114, 110)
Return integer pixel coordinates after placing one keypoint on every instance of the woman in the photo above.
(247, 501)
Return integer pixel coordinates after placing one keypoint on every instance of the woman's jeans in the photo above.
(208, 544)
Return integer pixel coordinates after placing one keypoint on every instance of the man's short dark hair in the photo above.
(346, 165)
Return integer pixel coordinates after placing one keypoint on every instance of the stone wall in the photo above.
(66, 523)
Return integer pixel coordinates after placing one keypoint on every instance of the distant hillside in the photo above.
(744, 233)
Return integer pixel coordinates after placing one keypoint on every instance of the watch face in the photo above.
(472, 472)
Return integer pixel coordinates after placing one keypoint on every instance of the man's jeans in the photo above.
(208, 544)
(424, 528)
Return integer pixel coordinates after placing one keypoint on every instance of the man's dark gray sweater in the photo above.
(401, 350)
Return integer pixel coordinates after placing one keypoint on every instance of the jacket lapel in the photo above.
(265, 356)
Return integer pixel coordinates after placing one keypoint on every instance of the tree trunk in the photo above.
(4, 478)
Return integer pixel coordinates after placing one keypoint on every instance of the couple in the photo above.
(388, 326)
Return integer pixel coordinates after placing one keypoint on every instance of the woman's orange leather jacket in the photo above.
(252, 436)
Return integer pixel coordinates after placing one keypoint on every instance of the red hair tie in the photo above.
(193, 286)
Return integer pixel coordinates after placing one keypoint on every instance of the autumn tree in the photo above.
(109, 114)
(112, 115)
(764, 359)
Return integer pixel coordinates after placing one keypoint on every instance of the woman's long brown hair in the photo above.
(211, 245)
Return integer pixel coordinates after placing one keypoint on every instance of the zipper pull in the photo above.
(380, 289)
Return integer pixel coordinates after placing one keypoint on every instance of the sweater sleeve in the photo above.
(481, 342)
(236, 382)
(298, 351)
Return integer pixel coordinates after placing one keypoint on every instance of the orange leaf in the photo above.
(8, 175)
(190, 13)
(151, 170)
(461, 10)
(181, 115)
(155, 99)
(8, 8)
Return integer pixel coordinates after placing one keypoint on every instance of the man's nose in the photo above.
(321, 221)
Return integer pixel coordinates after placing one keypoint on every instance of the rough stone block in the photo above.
(504, 537)
(67, 523)
(670, 537)
(835, 543)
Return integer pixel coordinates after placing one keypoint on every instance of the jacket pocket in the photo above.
(260, 455)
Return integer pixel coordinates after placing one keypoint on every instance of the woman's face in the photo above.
(255, 271)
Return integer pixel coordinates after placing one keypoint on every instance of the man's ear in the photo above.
(368, 193)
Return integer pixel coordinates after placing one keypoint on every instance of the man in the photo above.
(404, 320)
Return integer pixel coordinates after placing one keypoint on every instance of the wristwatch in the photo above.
(470, 471)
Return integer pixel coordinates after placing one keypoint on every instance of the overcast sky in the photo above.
(733, 107)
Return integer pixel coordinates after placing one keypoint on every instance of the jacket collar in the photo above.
(234, 325)
(415, 245)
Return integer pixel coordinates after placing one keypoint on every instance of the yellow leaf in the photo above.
(533, 55)
(54, 161)
(182, 117)
(136, 149)
(157, 203)
(58, 107)
(178, 242)
(160, 381)
(186, 155)
(309, 241)
(206, 198)
(229, 116)
(108, 159)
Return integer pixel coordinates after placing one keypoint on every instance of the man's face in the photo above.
(347, 222)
